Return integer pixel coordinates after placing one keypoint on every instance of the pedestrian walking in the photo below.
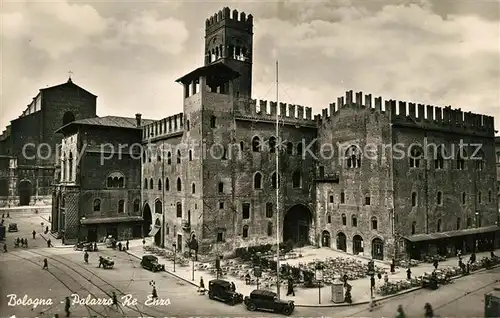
(67, 306)
(408, 273)
(26, 243)
(49, 243)
(3, 215)
(101, 261)
(45, 264)
(290, 290)
(472, 259)
(429, 313)
(154, 294)
(46, 229)
(86, 257)
(8, 214)
(436, 263)
(5, 248)
(120, 246)
(143, 241)
(34, 234)
(401, 313)
(115, 300)
(127, 244)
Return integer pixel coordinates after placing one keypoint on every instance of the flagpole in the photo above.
(277, 152)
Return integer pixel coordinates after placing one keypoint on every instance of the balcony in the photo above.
(332, 177)
(186, 226)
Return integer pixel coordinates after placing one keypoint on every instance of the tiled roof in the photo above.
(113, 121)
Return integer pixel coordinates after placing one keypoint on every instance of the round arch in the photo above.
(378, 248)
(158, 206)
(25, 192)
(297, 224)
(325, 239)
(357, 244)
(68, 117)
(341, 241)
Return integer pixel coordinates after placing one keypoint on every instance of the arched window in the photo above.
(299, 149)
(245, 231)
(273, 181)
(179, 210)
(344, 219)
(68, 117)
(97, 205)
(353, 156)
(109, 182)
(269, 210)
(270, 229)
(159, 184)
(413, 228)
(415, 156)
(413, 199)
(439, 198)
(121, 182)
(144, 157)
(137, 205)
(178, 156)
(439, 158)
(151, 186)
(158, 156)
(438, 229)
(461, 156)
(464, 197)
(213, 122)
(490, 196)
(374, 223)
(221, 187)
(242, 145)
(272, 144)
(115, 180)
(256, 144)
(187, 125)
(121, 206)
(167, 184)
(479, 197)
(459, 222)
(179, 185)
(169, 158)
(297, 179)
(70, 164)
(354, 221)
(328, 218)
(193, 188)
(479, 159)
(257, 181)
(145, 183)
(190, 155)
(289, 148)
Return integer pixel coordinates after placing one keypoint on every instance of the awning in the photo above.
(442, 235)
(118, 219)
(154, 230)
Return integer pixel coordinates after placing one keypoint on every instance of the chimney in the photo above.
(138, 119)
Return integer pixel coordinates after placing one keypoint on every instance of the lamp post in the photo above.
(218, 260)
(319, 279)
(175, 253)
(257, 270)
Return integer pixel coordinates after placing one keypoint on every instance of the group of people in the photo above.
(3, 215)
(429, 312)
(22, 242)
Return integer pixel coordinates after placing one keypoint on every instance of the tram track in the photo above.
(71, 265)
(72, 290)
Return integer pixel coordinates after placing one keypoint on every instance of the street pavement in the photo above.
(21, 273)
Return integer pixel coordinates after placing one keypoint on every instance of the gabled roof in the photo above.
(68, 83)
(218, 69)
(109, 121)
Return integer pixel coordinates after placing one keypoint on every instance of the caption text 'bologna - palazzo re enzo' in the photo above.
(381, 206)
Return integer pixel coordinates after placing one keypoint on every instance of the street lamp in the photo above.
(218, 260)
(175, 253)
(257, 271)
(319, 279)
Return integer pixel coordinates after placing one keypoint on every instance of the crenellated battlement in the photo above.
(225, 15)
(413, 114)
(164, 127)
(263, 110)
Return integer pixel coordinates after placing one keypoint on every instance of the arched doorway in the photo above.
(148, 220)
(25, 191)
(297, 224)
(357, 244)
(325, 239)
(341, 242)
(377, 249)
(158, 207)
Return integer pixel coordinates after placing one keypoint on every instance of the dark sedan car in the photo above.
(268, 301)
(150, 262)
(219, 289)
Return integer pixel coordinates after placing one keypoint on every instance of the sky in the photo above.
(129, 53)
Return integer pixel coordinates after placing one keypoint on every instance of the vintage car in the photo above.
(110, 242)
(84, 246)
(219, 289)
(430, 281)
(150, 262)
(106, 262)
(268, 301)
(13, 227)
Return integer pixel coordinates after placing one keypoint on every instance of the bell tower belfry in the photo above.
(229, 40)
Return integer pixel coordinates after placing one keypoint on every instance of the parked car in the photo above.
(107, 263)
(150, 262)
(268, 301)
(84, 246)
(219, 289)
(110, 242)
(13, 227)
